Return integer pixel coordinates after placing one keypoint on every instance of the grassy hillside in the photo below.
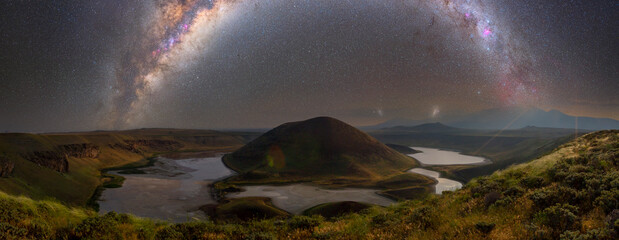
(504, 148)
(315, 150)
(571, 193)
(66, 166)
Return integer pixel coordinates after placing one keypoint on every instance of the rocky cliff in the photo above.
(54, 160)
(145, 145)
(58, 158)
(84, 150)
(6, 166)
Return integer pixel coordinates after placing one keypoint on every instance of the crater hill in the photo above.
(318, 149)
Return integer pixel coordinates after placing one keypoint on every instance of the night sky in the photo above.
(117, 64)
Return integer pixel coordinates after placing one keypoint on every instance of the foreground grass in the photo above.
(572, 193)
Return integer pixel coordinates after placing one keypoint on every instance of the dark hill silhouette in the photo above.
(427, 127)
(512, 118)
(321, 146)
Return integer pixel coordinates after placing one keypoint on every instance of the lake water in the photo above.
(297, 197)
(433, 156)
(443, 184)
(174, 189)
(171, 190)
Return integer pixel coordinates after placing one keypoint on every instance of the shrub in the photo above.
(491, 198)
(514, 191)
(8, 231)
(101, 227)
(484, 227)
(304, 222)
(260, 236)
(608, 200)
(168, 233)
(559, 170)
(560, 217)
(484, 186)
(532, 182)
(191, 230)
(424, 217)
(592, 234)
(543, 198)
(577, 180)
(506, 201)
(385, 219)
(12, 211)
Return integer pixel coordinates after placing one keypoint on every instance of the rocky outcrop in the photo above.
(54, 160)
(154, 144)
(140, 145)
(126, 147)
(84, 150)
(58, 159)
(6, 166)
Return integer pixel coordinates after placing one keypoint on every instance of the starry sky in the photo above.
(117, 64)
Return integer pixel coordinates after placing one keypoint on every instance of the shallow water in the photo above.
(171, 190)
(433, 156)
(443, 184)
(174, 189)
(298, 197)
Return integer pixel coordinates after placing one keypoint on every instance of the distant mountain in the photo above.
(511, 118)
(395, 122)
(515, 118)
(427, 127)
(320, 146)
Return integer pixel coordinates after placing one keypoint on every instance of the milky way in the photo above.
(177, 31)
(515, 79)
(116, 64)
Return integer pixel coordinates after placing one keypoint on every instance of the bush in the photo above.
(577, 180)
(304, 222)
(101, 227)
(8, 231)
(560, 217)
(532, 182)
(11, 211)
(592, 234)
(506, 201)
(190, 230)
(608, 200)
(168, 233)
(484, 185)
(491, 198)
(260, 236)
(424, 217)
(543, 198)
(385, 219)
(514, 191)
(484, 227)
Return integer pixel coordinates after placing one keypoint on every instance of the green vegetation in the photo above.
(243, 209)
(89, 153)
(571, 193)
(336, 209)
(504, 148)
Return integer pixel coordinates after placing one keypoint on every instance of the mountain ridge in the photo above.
(511, 118)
